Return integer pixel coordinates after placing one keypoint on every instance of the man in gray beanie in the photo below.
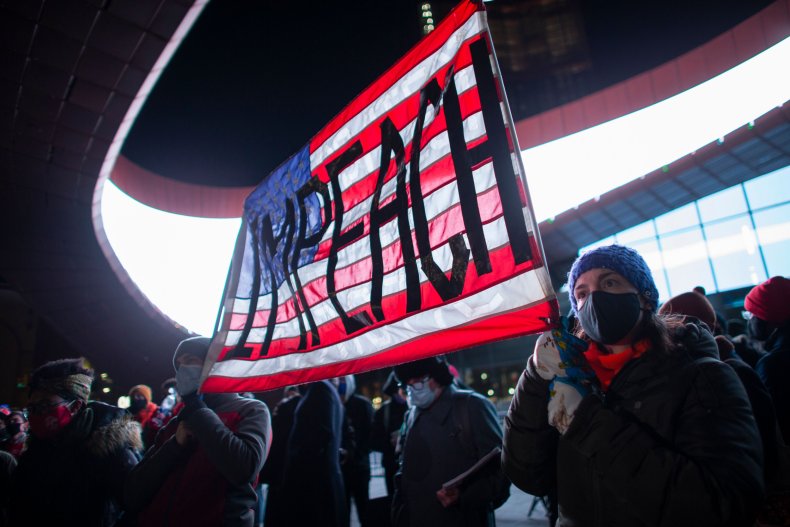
(204, 464)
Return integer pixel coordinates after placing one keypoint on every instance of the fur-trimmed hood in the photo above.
(112, 429)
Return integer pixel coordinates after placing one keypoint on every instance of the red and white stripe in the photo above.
(509, 301)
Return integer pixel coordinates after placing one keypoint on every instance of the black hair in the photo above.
(435, 367)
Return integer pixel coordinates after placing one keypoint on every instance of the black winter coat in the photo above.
(673, 442)
(312, 489)
(773, 369)
(359, 412)
(78, 479)
(437, 449)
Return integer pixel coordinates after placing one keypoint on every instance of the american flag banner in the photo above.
(402, 230)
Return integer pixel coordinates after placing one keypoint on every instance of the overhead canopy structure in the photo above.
(74, 75)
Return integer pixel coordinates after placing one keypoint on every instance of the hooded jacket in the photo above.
(211, 481)
(77, 479)
(672, 442)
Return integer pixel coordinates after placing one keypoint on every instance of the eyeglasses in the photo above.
(416, 385)
(43, 407)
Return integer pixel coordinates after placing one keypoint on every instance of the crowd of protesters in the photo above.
(628, 413)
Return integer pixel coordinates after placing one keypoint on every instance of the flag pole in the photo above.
(510, 124)
(231, 282)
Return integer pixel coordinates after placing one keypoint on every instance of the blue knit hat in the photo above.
(623, 260)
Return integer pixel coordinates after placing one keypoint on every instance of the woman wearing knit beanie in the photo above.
(769, 305)
(643, 425)
(146, 412)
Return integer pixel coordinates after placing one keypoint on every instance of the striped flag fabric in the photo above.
(402, 230)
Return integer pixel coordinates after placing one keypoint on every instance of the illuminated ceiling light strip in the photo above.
(167, 255)
(566, 172)
(178, 262)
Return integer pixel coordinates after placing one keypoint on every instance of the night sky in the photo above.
(255, 80)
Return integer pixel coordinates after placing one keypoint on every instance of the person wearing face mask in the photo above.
(445, 432)
(769, 306)
(143, 409)
(16, 433)
(78, 453)
(633, 420)
(202, 467)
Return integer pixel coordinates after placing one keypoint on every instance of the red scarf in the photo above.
(145, 414)
(606, 365)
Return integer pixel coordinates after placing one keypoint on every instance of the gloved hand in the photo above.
(565, 394)
(192, 403)
(559, 354)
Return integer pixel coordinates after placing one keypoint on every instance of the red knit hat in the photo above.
(691, 304)
(769, 300)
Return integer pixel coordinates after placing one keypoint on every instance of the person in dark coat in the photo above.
(446, 431)
(643, 425)
(143, 410)
(78, 454)
(313, 492)
(203, 466)
(695, 308)
(769, 305)
(356, 468)
(387, 421)
(276, 514)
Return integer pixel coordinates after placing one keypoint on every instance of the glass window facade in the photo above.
(735, 238)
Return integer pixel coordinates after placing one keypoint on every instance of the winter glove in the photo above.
(192, 403)
(565, 394)
(560, 354)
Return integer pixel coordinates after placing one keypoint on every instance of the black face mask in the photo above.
(608, 317)
(759, 329)
(137, 404)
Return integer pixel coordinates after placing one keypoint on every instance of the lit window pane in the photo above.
(773, 231)
(678, 219)
(686, 261)
(769, 190)
(650, 252)
(722, 204)
(643, 231)
(734, 252)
